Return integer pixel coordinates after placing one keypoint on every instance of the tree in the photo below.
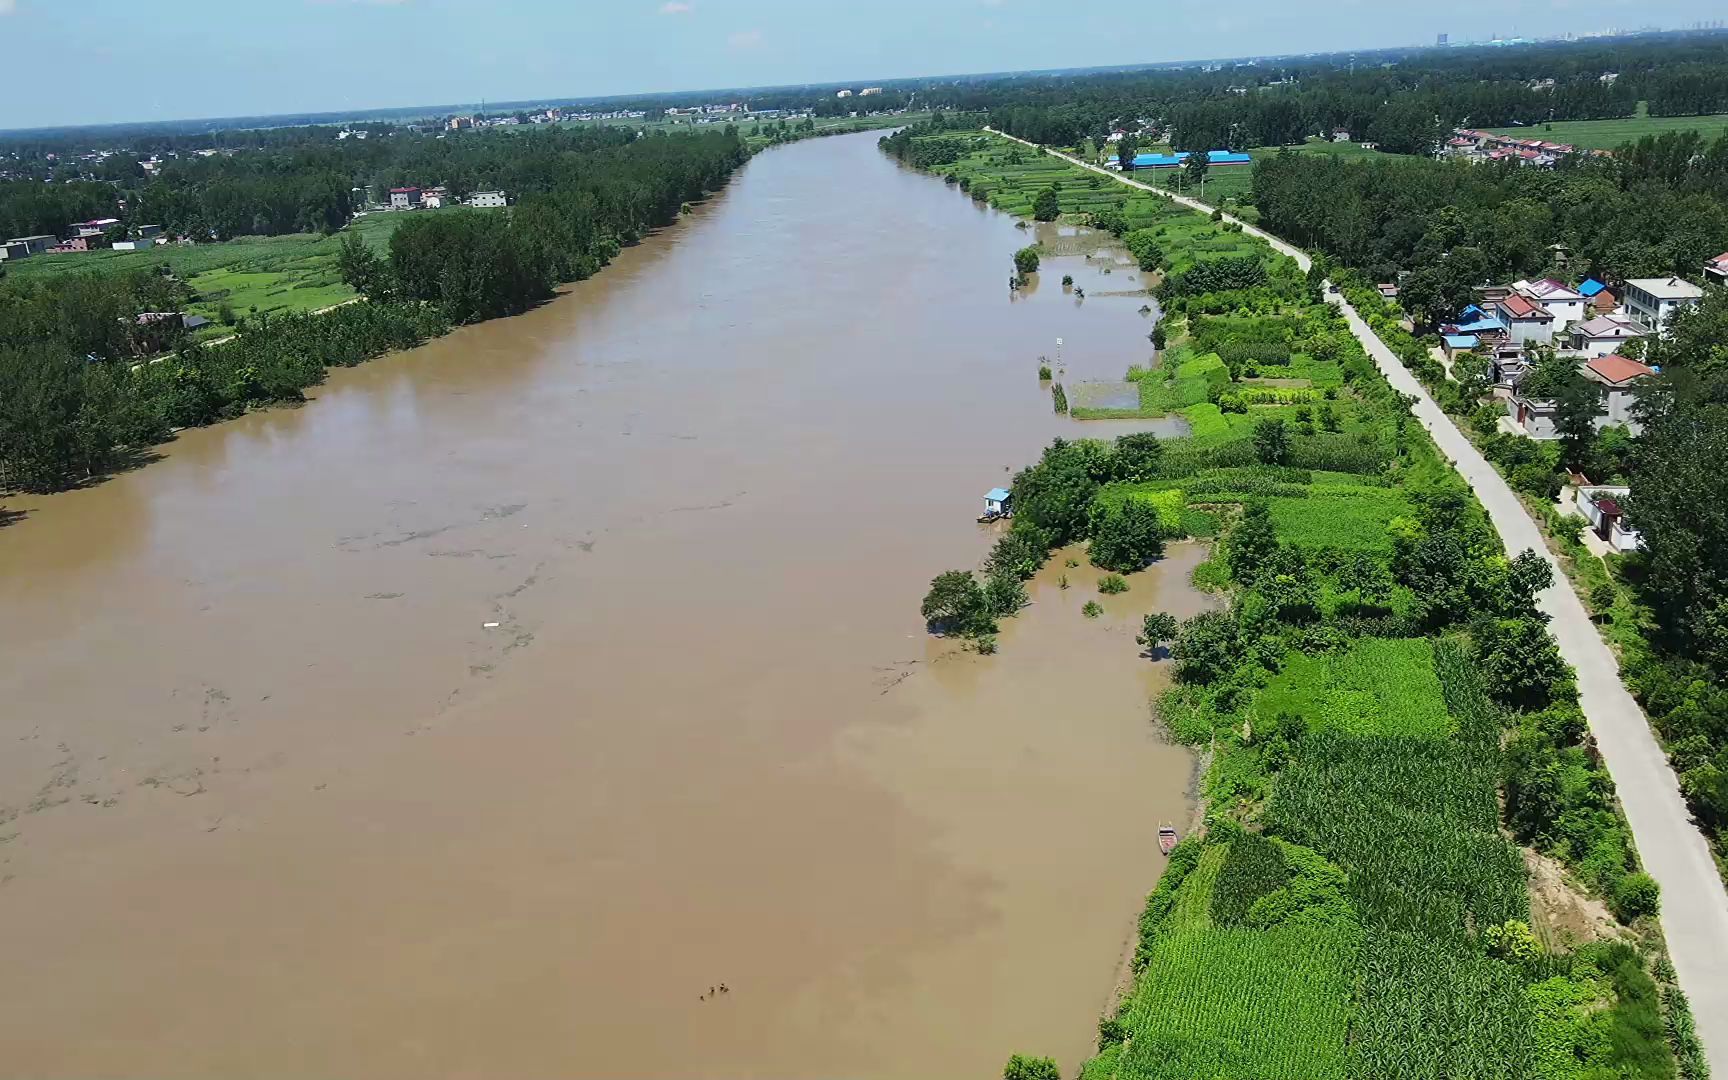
(1021, 1067)
(1252, 544)
(956, 604)
(361, 268)
(1055, 494)
(1207, 647)
(1519, 661)
(1004, 594)
(1125, 152)
(1158, 628)
(1026, 260)
(1527, 575)
(1046, 206)
(1576, 408)
(1196, 165)
(1138, 456)
(1126, 537)
(1272, 442)
(1018, 553)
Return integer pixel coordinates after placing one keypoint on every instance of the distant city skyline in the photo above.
(186, 59)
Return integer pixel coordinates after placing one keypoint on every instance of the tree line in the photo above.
(80, 393)
(1658, 207)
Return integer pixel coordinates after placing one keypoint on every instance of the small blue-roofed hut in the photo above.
(998, 502)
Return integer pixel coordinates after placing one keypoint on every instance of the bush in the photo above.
(1112, 584)
(1021, 1067)
(1026, 260)
(1636, 895)
(1092, 609)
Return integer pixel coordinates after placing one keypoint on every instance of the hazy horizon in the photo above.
(199, 60)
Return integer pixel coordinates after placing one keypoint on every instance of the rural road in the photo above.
(1694, 903)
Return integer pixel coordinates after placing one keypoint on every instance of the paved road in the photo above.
(1694, 903)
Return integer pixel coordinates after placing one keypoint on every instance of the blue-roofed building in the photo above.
(998, 502)
(1461, 342)
(1171, 161)
(1590, 287)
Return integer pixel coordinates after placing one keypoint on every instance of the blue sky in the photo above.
(97, 61)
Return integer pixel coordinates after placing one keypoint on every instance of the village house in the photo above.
(21, 246)
(1716, 270)
(404, 198)
(488, 198)
(1597, 296)
(1525, 320)
(1603, 335)
(75, 243)
(1653, 301)
(95, 227)
(1565, 304)
(1601, 505)
(1615, 376)
(434, 198)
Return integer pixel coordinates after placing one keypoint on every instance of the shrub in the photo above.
(1026, 260)
(1636, 895)
(1112, 584)
(1021, 1067)
(1092, 609)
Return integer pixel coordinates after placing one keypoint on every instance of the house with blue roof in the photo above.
(998, 503)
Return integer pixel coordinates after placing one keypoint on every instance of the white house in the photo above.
(1603, 335)
(1565, 304)
(488, 198)
(434, 198)
(404, 198)
(1652, 301)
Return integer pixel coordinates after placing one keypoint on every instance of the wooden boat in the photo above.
(1166, 838)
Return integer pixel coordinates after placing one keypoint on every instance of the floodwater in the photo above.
(277, 799)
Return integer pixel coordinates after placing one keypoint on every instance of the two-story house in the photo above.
(1653, 301)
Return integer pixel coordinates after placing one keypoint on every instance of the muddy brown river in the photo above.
(277, 800)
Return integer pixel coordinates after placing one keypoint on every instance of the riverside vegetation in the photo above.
(78, 398)
(1383, 716)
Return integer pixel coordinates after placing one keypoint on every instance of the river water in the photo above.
(276, 800)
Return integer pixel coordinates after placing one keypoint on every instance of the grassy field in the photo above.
(1611, 134)
(250, 274)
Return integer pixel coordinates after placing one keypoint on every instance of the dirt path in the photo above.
(1674, 852)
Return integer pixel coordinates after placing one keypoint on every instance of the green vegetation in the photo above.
(1376, 683)
(1613, 134)
(78, 396)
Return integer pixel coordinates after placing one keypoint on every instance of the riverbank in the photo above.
(1273, 948)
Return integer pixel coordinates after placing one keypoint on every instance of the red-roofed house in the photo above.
(404, 198)
(1525, 320)
(1716, 270)
(1617, 375)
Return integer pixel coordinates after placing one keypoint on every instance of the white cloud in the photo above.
(676, 7)
(7, 7)
(745, 39)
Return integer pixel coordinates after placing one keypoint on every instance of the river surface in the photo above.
(277, 800)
